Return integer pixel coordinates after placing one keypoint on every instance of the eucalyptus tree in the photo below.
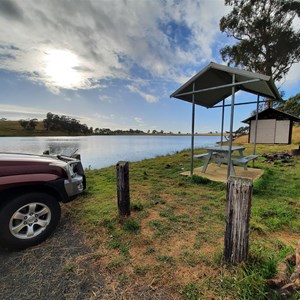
(268, 40)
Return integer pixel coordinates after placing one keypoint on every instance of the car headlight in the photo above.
(72, 169)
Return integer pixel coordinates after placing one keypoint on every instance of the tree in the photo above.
(291, 106)
(23, 123)
(267, 41)
(32, 124)
(28, 124)
(239, 132)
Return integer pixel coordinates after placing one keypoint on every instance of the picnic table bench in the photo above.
(202, 155)
(219, 154)
(244, 160)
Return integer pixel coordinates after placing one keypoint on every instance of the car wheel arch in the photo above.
(8, 194)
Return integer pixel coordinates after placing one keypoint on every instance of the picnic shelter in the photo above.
(212, 86)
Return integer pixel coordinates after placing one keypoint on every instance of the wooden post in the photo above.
(238, 207)
(122, 168)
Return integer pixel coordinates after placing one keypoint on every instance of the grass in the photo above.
(173, 240)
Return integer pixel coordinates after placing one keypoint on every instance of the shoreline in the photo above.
(70, 135)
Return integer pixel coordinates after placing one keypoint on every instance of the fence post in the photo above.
(238, 208)
(122, 168)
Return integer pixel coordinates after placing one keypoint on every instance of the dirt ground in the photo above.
(55, 269)
(63, 268)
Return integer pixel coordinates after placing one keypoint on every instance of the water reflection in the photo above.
(65, 148)
(103, 151)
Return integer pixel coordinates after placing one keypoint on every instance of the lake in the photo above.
(103, 151)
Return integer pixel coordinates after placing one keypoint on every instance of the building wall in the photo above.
(282, 132)
(270, 131)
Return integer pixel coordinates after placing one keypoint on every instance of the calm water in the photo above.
(102, 151)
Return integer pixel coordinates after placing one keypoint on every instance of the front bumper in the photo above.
(75, 186)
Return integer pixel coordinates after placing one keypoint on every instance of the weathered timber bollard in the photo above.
(238, 208)
(122, 168)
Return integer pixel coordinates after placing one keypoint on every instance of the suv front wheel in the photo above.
(28, 219)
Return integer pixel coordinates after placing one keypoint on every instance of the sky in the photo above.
(114, 63)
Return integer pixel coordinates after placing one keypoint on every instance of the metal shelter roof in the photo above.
(214, 83)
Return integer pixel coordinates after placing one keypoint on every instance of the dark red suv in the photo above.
(31, 187)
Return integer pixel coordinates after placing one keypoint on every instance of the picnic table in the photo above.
(220, 154)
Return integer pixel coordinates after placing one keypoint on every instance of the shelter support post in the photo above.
(222, 125)
(256, 124)
(193, 132)
(229, 164)
(256, 120)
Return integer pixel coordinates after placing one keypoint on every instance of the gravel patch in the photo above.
(63, 268)
(59, 268)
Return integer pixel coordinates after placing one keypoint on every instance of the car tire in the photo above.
(28, 219)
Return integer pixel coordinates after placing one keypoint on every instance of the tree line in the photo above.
(54, 122)
(107, 131)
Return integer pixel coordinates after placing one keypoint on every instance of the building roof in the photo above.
(214, 84)
(272, 113)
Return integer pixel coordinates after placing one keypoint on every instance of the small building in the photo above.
(273, 127)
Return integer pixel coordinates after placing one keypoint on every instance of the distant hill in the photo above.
(13, 128)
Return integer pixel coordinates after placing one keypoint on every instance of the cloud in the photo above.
(104, 117)
(292, 78)
(139, 120)
(149, 98)
(11, 10)
(22, 111)
(107, 39)
(17, 112)
(105, 98)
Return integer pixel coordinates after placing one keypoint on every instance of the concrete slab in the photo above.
(216, 173)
